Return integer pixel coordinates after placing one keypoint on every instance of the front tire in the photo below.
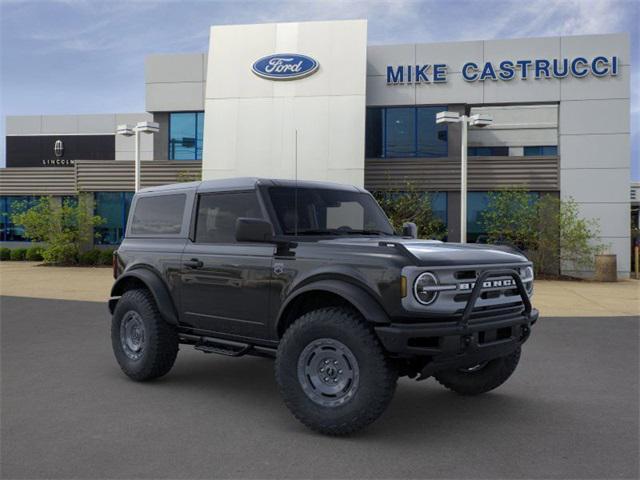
(333, 373)
(480, 378)
(144, 345)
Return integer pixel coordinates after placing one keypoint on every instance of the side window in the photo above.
(158, 215)
(218, 212)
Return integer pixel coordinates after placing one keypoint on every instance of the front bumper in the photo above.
(472, 337)
(450, 345)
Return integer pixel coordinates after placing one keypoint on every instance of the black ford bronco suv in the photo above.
(314, 275)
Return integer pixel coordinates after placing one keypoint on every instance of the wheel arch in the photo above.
(325, 293)
(145, 278)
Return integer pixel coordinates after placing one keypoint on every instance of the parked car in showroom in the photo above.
(314, 275)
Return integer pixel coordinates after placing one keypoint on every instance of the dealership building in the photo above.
(312, 100)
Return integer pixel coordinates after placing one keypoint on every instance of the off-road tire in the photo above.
(161, 339)
(377, 374)
(491, 376)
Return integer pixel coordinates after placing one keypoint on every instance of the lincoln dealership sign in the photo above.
(58, 150)
(285, 66)
(506, 70)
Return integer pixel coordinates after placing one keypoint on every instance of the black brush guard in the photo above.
(470, 340)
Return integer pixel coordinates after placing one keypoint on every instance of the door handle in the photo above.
(194, 263)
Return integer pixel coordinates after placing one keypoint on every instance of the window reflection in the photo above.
(185, 135)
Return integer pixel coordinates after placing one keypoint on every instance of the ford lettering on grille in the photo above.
(285, 66)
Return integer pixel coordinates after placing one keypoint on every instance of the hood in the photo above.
(436, 253)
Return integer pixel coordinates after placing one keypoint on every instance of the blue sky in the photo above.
(84, 56)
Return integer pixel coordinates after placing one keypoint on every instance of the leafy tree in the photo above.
(66, 228)
(549, 229)
(407, 204)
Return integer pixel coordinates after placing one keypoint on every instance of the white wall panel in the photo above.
(596, 185)
(594, 117)
(455, 90)
(593, 88)
(595, 151)
(379, 56)
(175, 97)
(453, 54)
(250, 122)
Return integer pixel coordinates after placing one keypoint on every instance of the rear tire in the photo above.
(474, 381)
(144, 345)
(333, 373)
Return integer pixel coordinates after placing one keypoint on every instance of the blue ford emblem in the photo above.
(284, 66)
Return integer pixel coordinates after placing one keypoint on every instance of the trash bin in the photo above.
(606, 268)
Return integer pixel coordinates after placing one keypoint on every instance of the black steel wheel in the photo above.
(144, 345)
(333, 373)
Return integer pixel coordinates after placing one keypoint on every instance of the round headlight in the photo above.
(424, 288)
(528, 280)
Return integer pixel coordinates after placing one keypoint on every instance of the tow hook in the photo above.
(466, 340)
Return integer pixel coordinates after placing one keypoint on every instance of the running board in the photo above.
(225, 347)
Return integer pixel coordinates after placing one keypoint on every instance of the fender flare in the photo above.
(155, 285)
(362, 300)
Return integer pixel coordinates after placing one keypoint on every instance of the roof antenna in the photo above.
(295, 195)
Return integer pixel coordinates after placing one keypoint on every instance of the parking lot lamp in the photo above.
(477, 120)
(128, 131)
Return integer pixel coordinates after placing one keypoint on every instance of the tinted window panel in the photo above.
(218, 212)
(400, 132)
(374, 132)
(161, 215)
(113, 207)
(185, 135)
(432, 137)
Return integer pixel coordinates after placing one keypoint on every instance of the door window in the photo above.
(218, 212)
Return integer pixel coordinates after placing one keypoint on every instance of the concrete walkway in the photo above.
(552, 298)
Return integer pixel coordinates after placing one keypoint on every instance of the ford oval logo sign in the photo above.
(285, 66)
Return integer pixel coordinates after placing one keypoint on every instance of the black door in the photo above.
(225, 284)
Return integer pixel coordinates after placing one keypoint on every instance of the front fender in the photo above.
(357, 296)
(154, 284)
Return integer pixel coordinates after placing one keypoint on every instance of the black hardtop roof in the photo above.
(247, 183)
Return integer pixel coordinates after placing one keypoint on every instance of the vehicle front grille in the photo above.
(456, 284)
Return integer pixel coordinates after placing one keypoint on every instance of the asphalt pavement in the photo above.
(569, 411)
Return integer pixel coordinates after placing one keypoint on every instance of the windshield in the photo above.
(328, 212)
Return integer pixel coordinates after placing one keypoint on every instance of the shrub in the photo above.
(90, 257)
(548, 228)
(34, 254)
(106, 257)
(18, 254)
(64, 228)
(407, 204)
(5, 254)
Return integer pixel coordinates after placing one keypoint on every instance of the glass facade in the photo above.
(541, 151)
(405, 132)
(9, 232)
(114, 208)
(488, 151)
(477, 203)
(185, 135)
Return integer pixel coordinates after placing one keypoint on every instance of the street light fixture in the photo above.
(128, 131)
(477, 120)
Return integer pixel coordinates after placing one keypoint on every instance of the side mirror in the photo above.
(410, 229)
(255, 230)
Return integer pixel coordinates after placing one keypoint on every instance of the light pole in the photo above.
(128, 131)
(477, 120)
